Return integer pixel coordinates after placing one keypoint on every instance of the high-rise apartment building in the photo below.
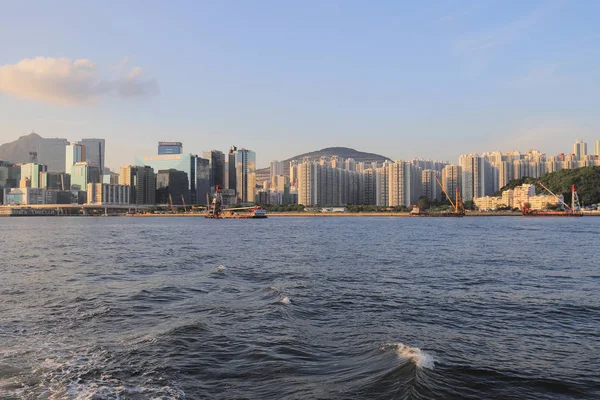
(452, 180)
(597, 148)
(170, 148)
(382, 185)
(141, 181)
(94, 153)
(431, 188)
(74, 153)
(276, 168)
(245, 171)
(51, 152)
(405, 185)
(477, 177)
(579, 149)
(350, 164)
(294, 172)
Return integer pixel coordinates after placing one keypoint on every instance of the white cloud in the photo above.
(68, 82)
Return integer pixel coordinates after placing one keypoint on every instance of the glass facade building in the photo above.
(51, 152)
(94, 153)
(196, 168)
(170, 148)
(245, 170)
(216, 160)
(172, 187)
(75, 152)
(32, 172)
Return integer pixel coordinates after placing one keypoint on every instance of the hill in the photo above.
(342, 152)
(18, 151)
(585, 179)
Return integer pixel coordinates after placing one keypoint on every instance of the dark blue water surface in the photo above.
(302, 308)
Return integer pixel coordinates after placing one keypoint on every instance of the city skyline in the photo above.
(389, 79)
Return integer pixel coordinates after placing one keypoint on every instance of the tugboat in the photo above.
(573, 210)
(215, 209)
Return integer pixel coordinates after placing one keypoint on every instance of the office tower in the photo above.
(597, 148)
(452, 180)
(54, 181)
(231, 173)
(51, 152)
(83, 173)
(105, 193)
(74, 153)
(79, 176)
(10, 174)
(431, 188)
(170, 148)
(276, 168)
(32, 172)
(172, 187)
(195, 170)
(216, 165)
(94, 153)
(245, 167)
(203, 189)
(579, 149)
(142, 184)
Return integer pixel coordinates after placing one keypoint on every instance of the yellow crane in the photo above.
(183, 200)
(457, 205)
(171, 204)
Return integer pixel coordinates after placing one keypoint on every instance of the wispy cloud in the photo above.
(504, 34)
(70, 82)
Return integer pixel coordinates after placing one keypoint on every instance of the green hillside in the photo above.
(586, 180)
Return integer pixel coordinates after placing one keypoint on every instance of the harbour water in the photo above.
(300, 308)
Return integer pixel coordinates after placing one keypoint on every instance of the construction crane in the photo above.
(183, 201)
(575, 206)
(171, 204)
(457, 205)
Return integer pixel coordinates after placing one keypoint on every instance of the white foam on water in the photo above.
(420, 358)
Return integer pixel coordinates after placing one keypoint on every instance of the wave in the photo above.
(420, 358)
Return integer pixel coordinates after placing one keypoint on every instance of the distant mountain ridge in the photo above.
(18, 150)
(342, 152)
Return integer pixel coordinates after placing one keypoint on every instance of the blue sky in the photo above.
(404, 79)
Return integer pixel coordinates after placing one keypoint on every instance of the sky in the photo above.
(403, 79)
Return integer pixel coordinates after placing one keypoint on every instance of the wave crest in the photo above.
(417, 356)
